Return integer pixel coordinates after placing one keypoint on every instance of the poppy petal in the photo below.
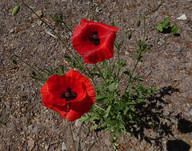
(73, 83)
(86, 82)
(97, 49)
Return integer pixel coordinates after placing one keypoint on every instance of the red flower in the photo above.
(94, 41)
(71, 95)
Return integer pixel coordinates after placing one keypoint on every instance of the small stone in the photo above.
(39, 22)
(190, 111)
(77, 123)
(46, 147)
(181, 50)
(63, 147)
(107, 142)
(31, 144)
(182, 67)
(11, 31)
(98, 9)
(39, 13)
(182, 17)
(161, 42)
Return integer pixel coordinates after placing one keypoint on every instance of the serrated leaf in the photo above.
(93, 127)
(166, 23)
(174, 29)
(160, 27)
(100, 97)
(107, 111)
(112, 86)
(83, 119)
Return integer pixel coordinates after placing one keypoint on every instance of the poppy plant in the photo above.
(94, 41)
(71, 95)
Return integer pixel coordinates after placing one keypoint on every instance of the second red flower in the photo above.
(94, 41)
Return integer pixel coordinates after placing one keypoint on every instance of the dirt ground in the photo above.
(27, 125)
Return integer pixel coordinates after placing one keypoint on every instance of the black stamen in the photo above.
(69, 90)
(69, 95)
(95, 38)
(95, 33)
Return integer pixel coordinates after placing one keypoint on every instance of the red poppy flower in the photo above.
(94, 41)
(71, 95)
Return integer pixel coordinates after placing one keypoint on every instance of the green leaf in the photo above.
(134, 55)
(68, 58)
(83, 119)
(138, 78)
(112, 86)
(113, 23)
(93, 127)
(15, 10)
(86, 118)
(174, 29)
(107, 111)
(166, 23)
(160, 27)
(62, 70)
(138, 23)
(38, 79)
(100, 97)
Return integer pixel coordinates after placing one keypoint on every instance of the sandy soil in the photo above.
(27, 125)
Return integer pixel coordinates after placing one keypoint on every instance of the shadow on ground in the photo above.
(184, 126)
(153, 123)
(177, 145)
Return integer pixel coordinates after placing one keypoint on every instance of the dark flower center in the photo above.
(69, 95)
(95, 38)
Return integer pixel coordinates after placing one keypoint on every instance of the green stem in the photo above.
(100, 72)
(144, 28)
(118, 55)
(99, 107)
(32, 67)
(79, 134)
(66, 26)
(132, 74)
(70, 126)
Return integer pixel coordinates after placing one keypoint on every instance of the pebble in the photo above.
(39, 22)
(182, 17)
(98, 9)
(161, 41)
(31, 144)
(180, 50)
(39, 13)
(11, 31)
(190, 111)
(46, 147)
(182, 67)
(107, 142)
(63, 146)
(77, 123)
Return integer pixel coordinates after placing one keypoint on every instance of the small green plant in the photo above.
(165, 27)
